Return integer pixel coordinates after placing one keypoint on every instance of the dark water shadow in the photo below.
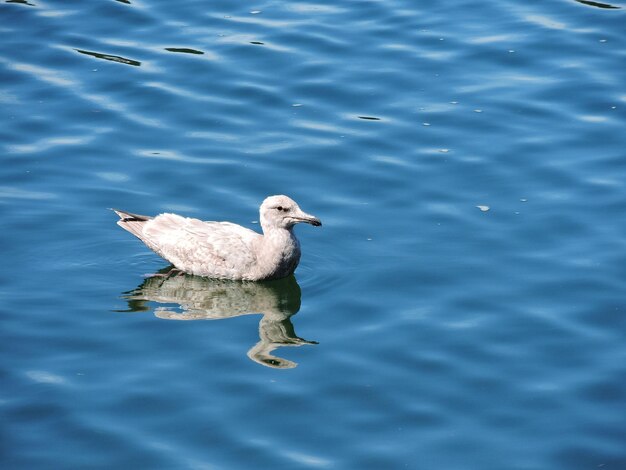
(184, 50)
(598, 4)
(112, 58)
(199, 298)
(21, 2)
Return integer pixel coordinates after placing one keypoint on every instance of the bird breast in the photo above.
(280, 254)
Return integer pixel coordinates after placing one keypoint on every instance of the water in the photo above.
(467, 289)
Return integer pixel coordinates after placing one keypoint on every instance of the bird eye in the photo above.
(279, 208)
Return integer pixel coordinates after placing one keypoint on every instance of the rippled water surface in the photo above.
(463, 306)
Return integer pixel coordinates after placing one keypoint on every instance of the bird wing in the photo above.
(219, 249)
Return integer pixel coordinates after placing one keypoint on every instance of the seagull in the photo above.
(223, 250)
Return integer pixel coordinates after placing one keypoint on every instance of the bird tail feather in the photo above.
(133, 223)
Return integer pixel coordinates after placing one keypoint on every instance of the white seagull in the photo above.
(224, 250)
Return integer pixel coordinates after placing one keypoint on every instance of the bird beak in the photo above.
(307, 218)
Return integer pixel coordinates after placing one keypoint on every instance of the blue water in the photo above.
(420, 331)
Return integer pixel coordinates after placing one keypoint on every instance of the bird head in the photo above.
(283, 212)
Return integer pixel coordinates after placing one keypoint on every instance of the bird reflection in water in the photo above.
(201, 298)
